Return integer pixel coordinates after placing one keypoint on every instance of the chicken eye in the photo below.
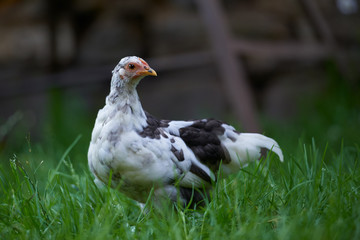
(131, 66)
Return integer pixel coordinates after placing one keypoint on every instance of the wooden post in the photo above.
(230, 67)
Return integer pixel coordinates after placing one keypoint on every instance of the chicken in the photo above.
(177, 159)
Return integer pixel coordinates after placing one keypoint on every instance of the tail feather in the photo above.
(246, 148)
(261, 141)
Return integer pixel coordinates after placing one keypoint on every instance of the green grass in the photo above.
(314, 194)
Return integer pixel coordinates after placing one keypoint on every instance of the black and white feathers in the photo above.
(179, 159)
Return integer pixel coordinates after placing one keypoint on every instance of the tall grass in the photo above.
(314, 194)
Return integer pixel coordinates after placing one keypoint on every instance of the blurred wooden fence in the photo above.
(225, 54)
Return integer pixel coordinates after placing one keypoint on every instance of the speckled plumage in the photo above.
(141, 152)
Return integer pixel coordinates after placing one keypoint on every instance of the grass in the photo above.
(47, 191)
(312, 195)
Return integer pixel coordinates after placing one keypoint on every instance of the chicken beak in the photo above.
(146, 72)
(151, 72)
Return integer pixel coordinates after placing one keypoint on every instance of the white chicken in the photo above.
(178, 159)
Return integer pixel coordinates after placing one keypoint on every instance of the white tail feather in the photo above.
(247, 149)
(261, 141)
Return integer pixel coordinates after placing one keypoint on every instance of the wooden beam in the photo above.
(281, 50)
(181, 61)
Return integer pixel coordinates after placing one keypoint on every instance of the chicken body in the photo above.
(179, 159)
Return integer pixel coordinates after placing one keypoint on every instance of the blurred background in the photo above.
(287, 68)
